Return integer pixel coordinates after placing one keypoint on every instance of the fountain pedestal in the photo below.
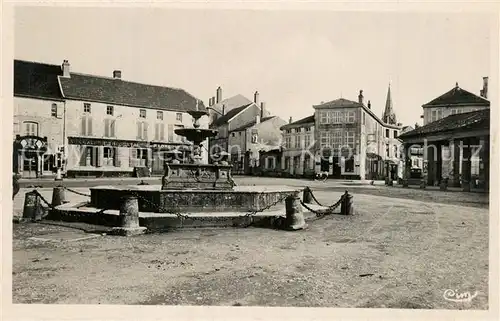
(197, 176)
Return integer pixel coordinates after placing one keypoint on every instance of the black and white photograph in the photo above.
(248, 157)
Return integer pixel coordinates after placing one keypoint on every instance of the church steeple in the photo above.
(389, 117)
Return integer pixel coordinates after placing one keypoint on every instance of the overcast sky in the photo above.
(294, 59)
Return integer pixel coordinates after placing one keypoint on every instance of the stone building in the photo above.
(298, 153)
(107, 126)
(239, 120)
(445, 128)
(345, 139)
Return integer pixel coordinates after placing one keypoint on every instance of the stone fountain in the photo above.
(192, 194)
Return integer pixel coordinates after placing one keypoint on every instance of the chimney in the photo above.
(65, 68)
(262, 109)
(210, 102)
(360, 97)
(213, 100)
(369, 105)
(290, 120)
(117, 74)
(256, 97)
(484, 91)
(219, 95)
(257, 119)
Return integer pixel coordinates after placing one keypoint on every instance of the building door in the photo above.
(336, 168)
(30, 167)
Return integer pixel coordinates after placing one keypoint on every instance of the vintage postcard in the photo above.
(253, 160)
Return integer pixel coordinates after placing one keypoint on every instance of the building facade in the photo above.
(445, 111)
(345, 139)
(109, 127)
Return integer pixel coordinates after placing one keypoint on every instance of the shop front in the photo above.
(31, 158)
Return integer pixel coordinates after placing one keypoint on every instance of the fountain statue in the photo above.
(196, 174)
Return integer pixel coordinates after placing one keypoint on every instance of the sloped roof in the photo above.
(458, 96)
(252, 124)
(341, 102)
(36, 80)
(305, 120)
(232, 102)
(479, 119)
(228, 115)
(120, 92)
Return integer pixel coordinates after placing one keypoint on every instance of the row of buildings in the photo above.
(92, 125)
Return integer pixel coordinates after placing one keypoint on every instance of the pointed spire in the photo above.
(389, 117)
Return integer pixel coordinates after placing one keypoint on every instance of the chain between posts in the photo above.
(328, 210)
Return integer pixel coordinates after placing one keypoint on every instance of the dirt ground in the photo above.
(393, 253)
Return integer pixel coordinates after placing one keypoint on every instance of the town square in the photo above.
(314, 159)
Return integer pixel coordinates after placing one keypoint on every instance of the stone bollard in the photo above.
(443, 185)
(58, 196)
(346, 206)
(31, 206)
(307, 196)
(422, 184)
(294, 216)
(129, 218)
(405, 182)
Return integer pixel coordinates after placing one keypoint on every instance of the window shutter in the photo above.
(106, 128)
(100, 155)
(157, 131)
(170, 133)
(84, 126)
(145, 133)
(59, 110)
(112, 128)
(162, 132)
(139, 130)
(89, 128)
(83, 155)
(150, 157)
(116, 159)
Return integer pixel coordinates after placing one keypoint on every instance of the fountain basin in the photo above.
(154, 199)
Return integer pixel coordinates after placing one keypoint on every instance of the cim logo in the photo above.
(455, 296)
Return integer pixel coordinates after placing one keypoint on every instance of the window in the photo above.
(30, 128)
(110, 110)
(336, 117)
(142, 130)
(109, 127)
(336, 138)
(387, 150)
(349, 139)
(308, 129)
(323, 117)
(364, 121)
(89, 156)
(86, 108)
(254, 138)
(178, 116)
(307, 141)
(159, 131)
(86, 126)
(395, 151)
(387, 134)
(53, 110)
(109, 156)
(288, 131)
(288, 142)
(350, 117)
(141, 156)
(142, 113)
(232, 134)
(436, 114)
(325, 141)
(159, 115)
(395, 134)
(298, 141)
(239, 134)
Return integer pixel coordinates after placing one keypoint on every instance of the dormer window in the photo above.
(159, 115)
(86, 108)
(142, 113)
(110, 110)
(178, 117)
